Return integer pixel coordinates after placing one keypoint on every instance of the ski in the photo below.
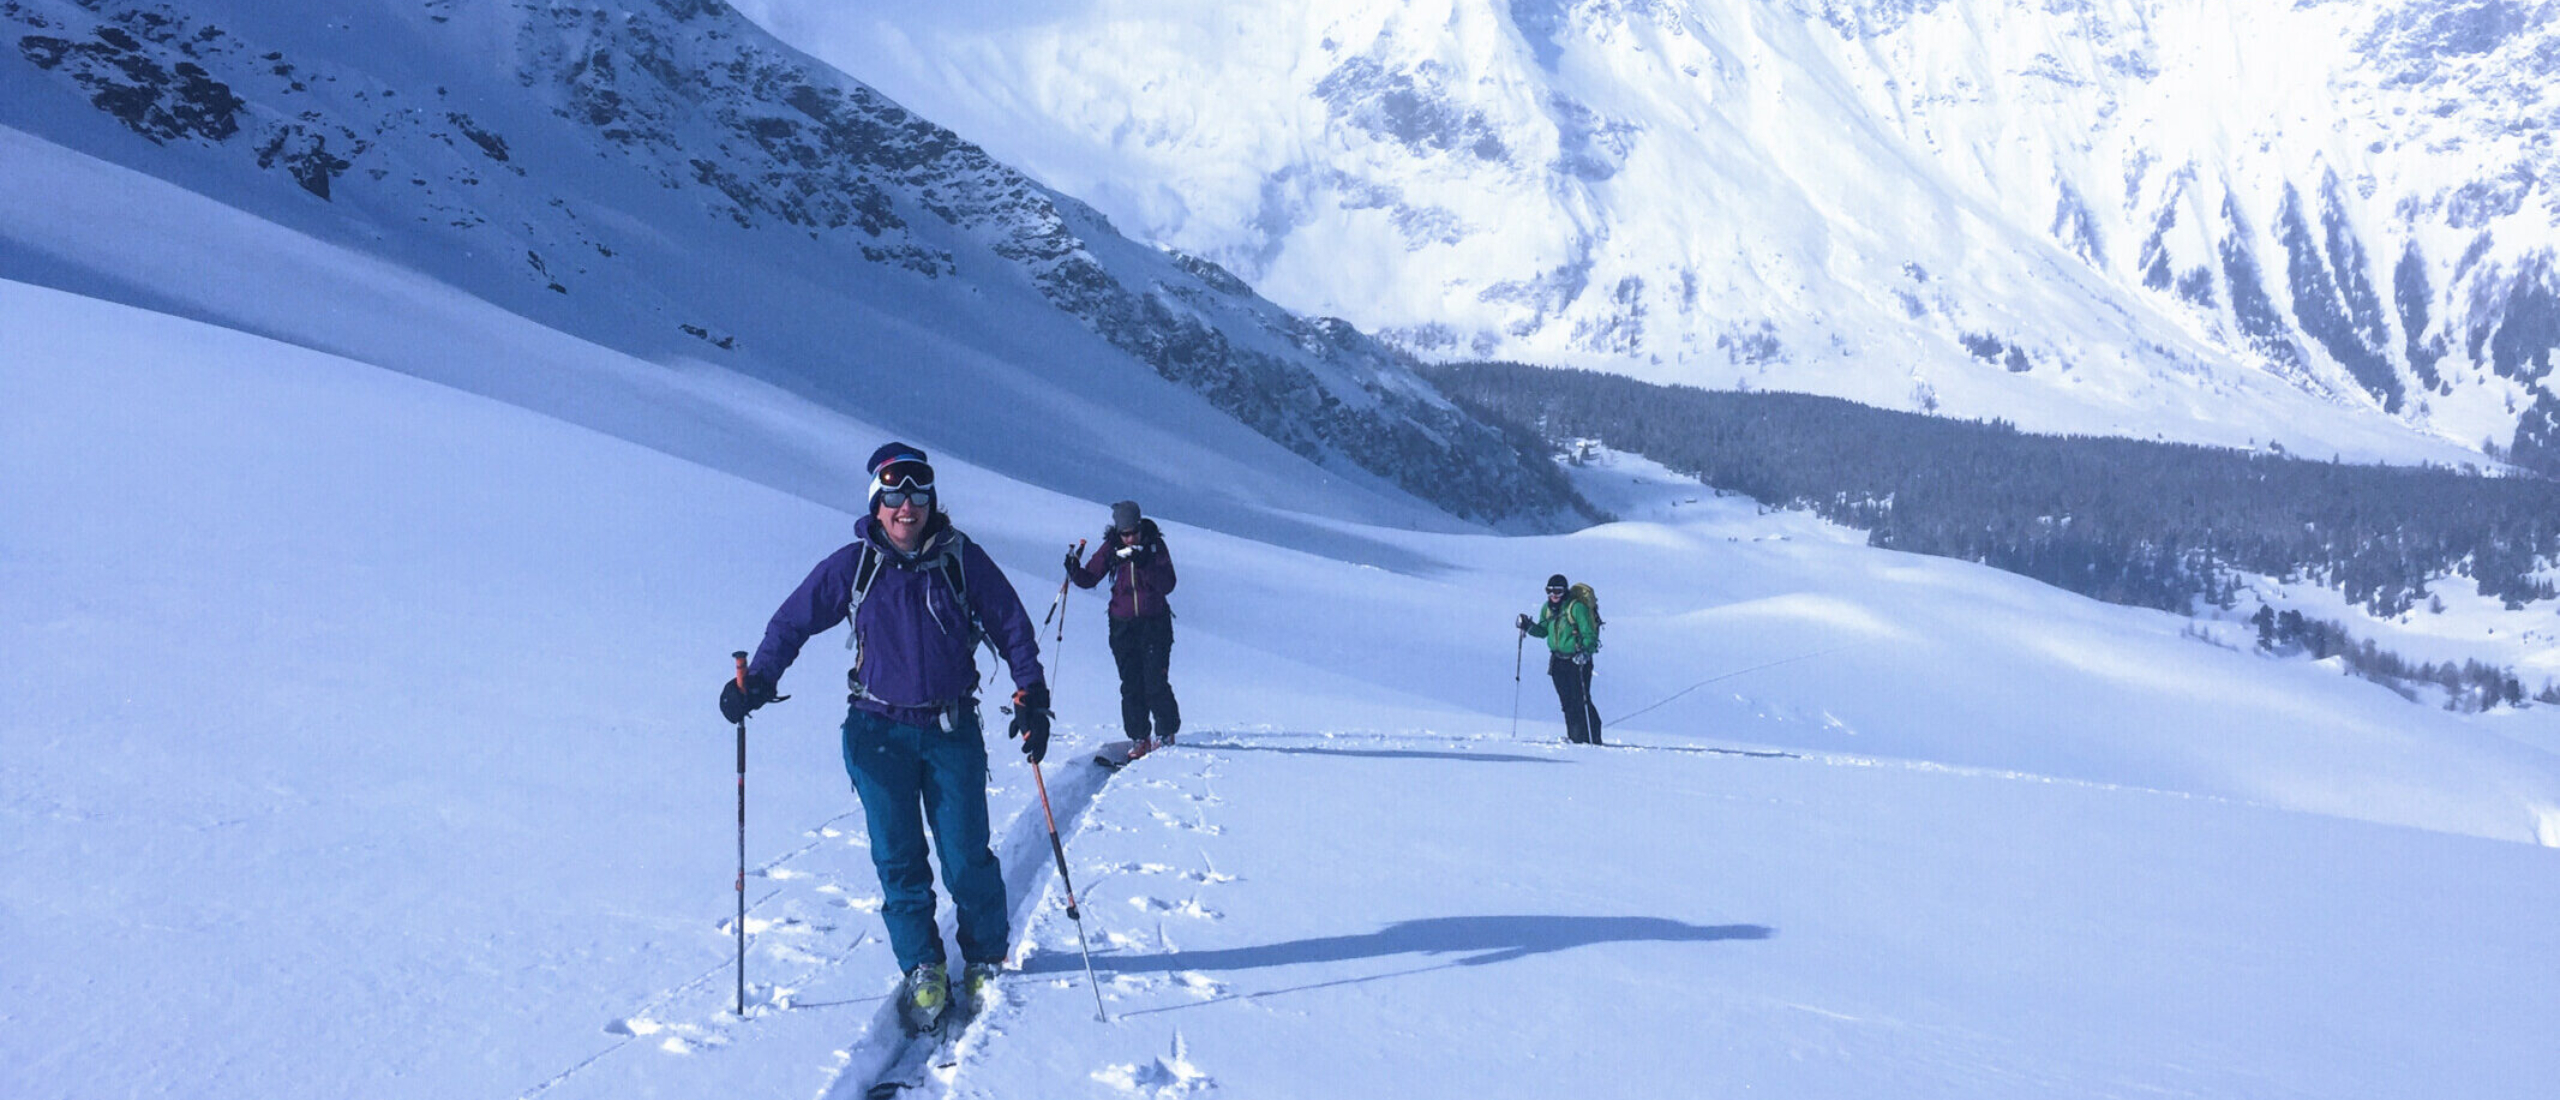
(1118, 754)
(931, 1055)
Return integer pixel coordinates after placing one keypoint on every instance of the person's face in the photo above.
(904, 521)
(1129, 536)
(1555, 595)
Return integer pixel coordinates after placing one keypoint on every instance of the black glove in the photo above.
(1525, 624)
(1073, 566)
(1031, 721)
(737, 703)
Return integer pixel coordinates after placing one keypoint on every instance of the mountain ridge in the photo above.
(663, 178)
(2124, 217)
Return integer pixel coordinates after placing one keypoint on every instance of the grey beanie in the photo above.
(1124, 516)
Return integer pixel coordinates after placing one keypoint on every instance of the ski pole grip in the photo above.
(741, 657)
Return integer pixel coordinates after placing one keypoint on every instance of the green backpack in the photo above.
(1582, 594)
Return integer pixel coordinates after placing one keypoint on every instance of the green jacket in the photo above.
(1568, 631)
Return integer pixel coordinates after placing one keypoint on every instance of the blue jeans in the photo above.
(909, 776)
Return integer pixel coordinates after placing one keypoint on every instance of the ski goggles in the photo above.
(906, 473)
(904, 480)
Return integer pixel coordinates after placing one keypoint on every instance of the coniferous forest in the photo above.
(2150, 524)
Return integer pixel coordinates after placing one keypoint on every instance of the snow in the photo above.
(365, 746)
(1823, 197)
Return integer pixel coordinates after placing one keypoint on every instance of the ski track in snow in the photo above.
(886, 1061)
(809, 924)
(1163, 896)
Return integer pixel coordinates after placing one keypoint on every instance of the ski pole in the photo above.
(1059, 849)
(1519, 642)
(741, 657)
(1731, 675)
(1058, 644)
(1055, 604)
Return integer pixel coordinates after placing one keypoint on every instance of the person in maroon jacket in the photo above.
(1133, 555)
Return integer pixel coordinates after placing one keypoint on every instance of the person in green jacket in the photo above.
(1572, 631)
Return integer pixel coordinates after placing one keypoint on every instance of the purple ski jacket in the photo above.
(1137, 590)
(918, 654)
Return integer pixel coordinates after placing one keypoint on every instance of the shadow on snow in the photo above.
(1481, 940)
(1384, 754)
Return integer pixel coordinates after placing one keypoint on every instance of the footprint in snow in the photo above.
(1188, 908)
(786, 953)
(1169, 1075)
(860, 903)
(1195, 826)
(787, 926)
(680, 1038)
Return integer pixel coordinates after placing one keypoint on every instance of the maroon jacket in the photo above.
(1138, 585)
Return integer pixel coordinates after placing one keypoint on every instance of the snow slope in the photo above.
(366, 746)
(662, 178)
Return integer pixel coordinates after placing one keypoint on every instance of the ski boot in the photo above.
(1164, 740)
(923, 998)
(978, 987)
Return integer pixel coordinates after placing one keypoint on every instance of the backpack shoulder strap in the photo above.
(954, 571)
(866, 569)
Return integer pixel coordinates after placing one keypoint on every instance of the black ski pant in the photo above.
(1573, 689)
(1143, 648)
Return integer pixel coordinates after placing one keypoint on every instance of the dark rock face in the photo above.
(1412, 108)
(2519, 324)
(2260, 323)
(154, 69)
(1869, 18)
(1992, 349)
(2332, 298)
(124, 79)
(2076, 228)
(2419, 37)
(2409, 288)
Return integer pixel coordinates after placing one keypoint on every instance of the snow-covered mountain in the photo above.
(406, 408)
(662, 178)
(2228, 221)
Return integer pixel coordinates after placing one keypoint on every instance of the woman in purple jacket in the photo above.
(1141, 571)
(921, 596)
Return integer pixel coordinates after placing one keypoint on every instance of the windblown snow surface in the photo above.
(363, 745)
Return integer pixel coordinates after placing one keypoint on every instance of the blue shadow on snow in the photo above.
(1481, 940)
(1384, 754)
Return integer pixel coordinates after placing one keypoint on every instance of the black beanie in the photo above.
(1556, 583)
